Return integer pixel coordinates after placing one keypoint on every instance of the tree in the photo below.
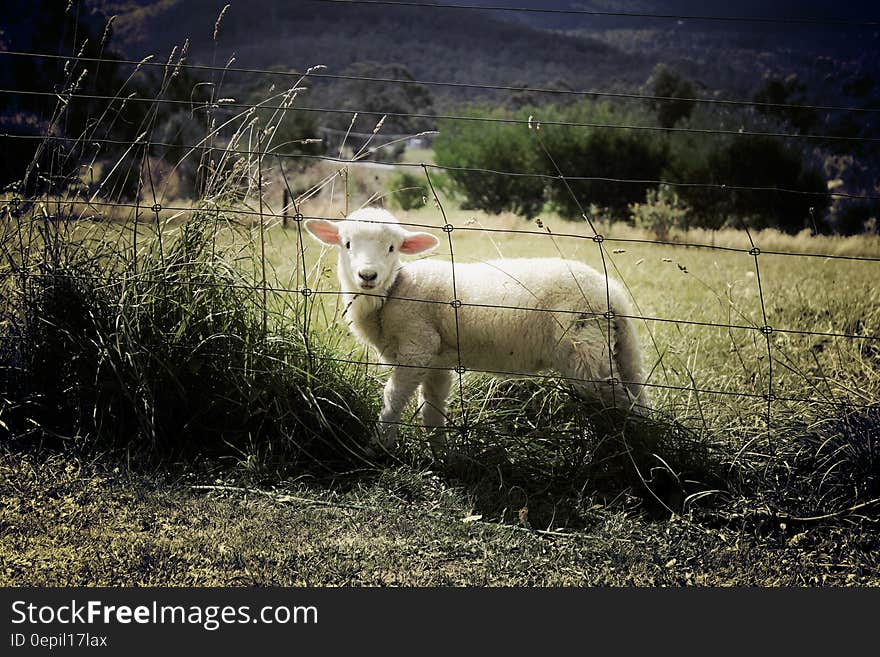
(44, 26)
(495, 146)
(373, 100)
(675, 92)
(618, 160)
(786, 91)
(747, 161)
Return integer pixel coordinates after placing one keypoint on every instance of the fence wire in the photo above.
(26, 213)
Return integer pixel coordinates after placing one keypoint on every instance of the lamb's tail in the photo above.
(628, 357)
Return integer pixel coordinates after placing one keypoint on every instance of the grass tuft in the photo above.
(537, 454)
(172, 358)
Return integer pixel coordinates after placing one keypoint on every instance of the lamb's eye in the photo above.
(348, 245)
(390, 248)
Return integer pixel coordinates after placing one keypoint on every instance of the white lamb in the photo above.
(515, 317)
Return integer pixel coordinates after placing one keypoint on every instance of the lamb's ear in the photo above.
(418, 242)
(323, 231)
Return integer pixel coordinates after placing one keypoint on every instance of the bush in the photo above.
(751, 161)
(609, 154)
(660, 213)
(407, 191)
(496, 146)
(768, 162)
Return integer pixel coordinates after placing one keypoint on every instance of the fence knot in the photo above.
(755, 251)
(156, 207)
(613, 381)
(598, 239)
(460, 370)
(298, 216)
(455, 303)
(766, 329)
(306, 292)
(769, 397)
(448, 228)
(609, 315)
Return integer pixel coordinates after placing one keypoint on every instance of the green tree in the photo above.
(373, 100)
(495, 146)
(666, 83)
(786, 91)
(618, 159)
(765, 162)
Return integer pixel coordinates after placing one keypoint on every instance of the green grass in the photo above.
(532, 445)
(138, 364)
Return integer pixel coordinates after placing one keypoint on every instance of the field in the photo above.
(719, 488)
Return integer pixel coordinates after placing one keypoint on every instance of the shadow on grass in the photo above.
(543, 457)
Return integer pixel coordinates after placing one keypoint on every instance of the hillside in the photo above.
(838, 63)
(436, 45)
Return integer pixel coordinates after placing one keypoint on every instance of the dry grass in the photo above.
(67, 523)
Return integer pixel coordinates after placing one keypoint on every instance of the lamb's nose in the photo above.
(368, 275)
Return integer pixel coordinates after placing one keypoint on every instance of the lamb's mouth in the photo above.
(368, 286)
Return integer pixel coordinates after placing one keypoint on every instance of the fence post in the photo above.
(262, 228)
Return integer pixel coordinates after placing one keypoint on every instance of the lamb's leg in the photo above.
(432, 399)
(398, 391)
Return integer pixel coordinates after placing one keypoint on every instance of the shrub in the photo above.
(495, 146)
(407, 191)
(660, 213)
(606, 154)
(751, 161)
(768, 162)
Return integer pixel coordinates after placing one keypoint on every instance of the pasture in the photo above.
(721, 486)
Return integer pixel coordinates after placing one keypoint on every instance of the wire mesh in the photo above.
(25, 214)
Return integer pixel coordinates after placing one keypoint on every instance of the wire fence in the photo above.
(26, 210)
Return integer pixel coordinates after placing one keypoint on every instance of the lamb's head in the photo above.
(370, 242)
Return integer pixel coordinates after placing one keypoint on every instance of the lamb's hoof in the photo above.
(438, 444)
(385, 437)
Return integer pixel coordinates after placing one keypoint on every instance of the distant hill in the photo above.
(500, 47)
(433, 44)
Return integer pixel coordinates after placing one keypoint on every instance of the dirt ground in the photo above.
(67, 523)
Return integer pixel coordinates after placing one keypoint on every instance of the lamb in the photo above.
(426, 318)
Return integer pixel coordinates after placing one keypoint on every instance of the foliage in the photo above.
(786, 91)
(498, 146)
(39, 26)
(660, 213)
(407, 191)
(768, 162)
(723, 169)
(608, 155)
(548, 149)
(666, 83)
(371, 101)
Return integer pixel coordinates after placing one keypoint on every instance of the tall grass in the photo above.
(172, 357)
(173, 337)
